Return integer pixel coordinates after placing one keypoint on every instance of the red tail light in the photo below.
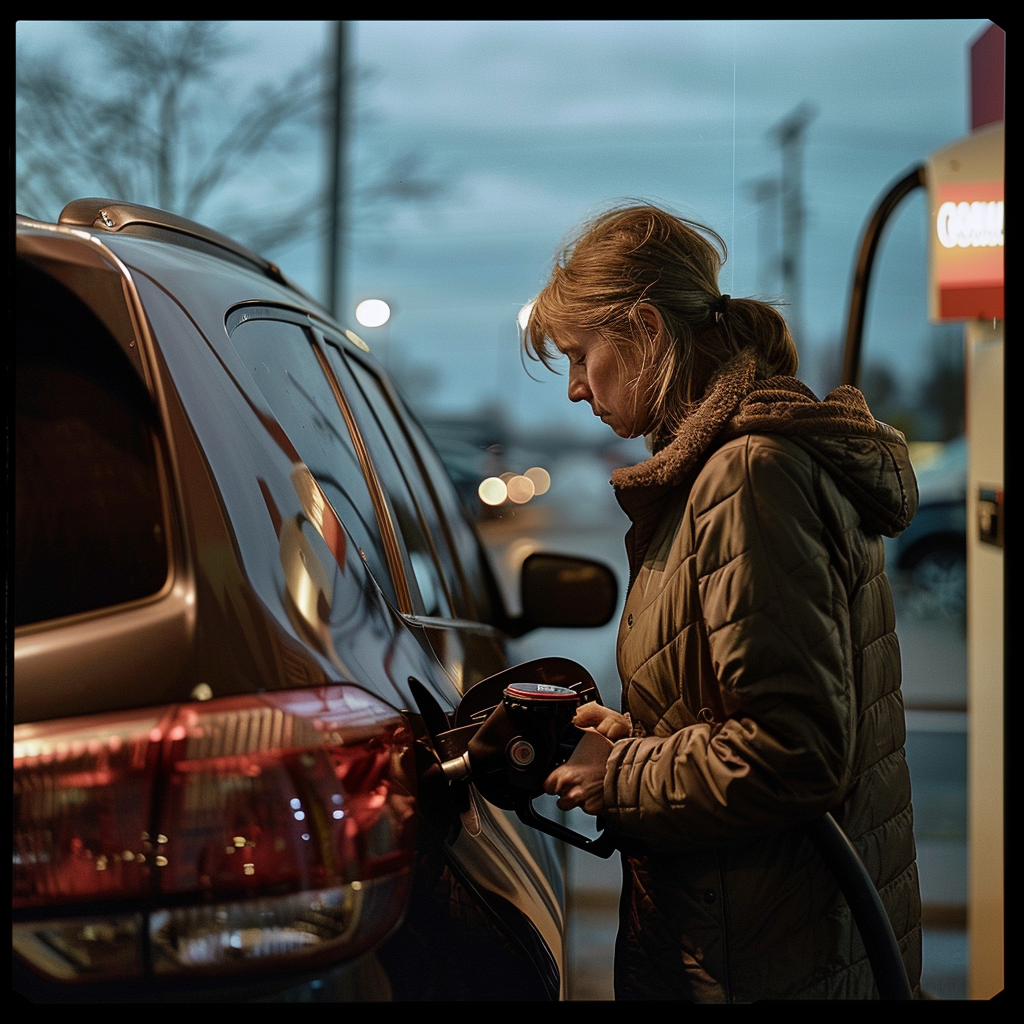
(206, 837)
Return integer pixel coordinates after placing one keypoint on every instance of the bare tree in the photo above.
(158, 124)
(383, 176)
(140, 130)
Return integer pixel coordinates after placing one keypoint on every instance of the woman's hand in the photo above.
(580, 781)
(605, 721)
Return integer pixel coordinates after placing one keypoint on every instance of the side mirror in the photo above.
(562, 590)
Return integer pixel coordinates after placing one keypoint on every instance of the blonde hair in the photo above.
(638, 255)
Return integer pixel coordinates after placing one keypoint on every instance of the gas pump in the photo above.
(965, 192)
(965, 185)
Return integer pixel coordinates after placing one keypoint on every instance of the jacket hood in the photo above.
(868, 460)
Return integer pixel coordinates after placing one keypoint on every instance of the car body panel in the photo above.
(266, 586)
(931, 554)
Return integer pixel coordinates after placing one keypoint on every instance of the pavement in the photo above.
(592, 909)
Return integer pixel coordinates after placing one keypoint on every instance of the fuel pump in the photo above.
(965, 183)
(512, 730)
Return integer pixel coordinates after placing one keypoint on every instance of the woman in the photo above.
(759, 663)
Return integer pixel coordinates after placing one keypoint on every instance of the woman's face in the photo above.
(607, 379)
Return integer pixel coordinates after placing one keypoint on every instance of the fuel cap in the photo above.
(541, 692)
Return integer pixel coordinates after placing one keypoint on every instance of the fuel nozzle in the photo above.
(520, 741)
(516, 746)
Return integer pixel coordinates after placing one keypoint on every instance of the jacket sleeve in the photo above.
(770, 582)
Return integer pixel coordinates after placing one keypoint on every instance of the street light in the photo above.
(375, 313)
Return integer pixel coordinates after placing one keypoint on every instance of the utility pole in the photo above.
(788, 134)
(336, 198)
(765, 194)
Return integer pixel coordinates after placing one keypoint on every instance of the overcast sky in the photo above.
(533, 126)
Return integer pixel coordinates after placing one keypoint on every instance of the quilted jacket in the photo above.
(761, 672)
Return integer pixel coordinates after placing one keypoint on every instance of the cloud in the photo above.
(560, 74)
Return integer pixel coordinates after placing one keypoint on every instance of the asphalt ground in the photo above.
(592, 911)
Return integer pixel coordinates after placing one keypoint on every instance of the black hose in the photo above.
(862, 275)
(866, 906)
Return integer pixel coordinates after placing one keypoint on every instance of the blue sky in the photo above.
(536, 125)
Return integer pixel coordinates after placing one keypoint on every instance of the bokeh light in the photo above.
(540, 478)
(373, 312)
(492, 491)
(520, 489)
(517, 488)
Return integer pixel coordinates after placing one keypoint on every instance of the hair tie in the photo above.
(720, 307)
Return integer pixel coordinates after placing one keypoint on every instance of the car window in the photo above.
(481, 588)
(283, 363)
(409, 463)
(436, 573)
(90, 530)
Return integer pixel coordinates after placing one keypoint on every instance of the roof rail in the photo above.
(115, 215)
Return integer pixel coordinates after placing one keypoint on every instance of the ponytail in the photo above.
(641, 255)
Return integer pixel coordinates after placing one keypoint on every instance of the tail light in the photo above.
(213, 838)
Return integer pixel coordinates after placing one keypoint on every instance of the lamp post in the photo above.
(337, 130)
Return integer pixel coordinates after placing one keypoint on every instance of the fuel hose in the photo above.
(866, 906)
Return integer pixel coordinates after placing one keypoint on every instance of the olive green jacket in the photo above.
(761, 672)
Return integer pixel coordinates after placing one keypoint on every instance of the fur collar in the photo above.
(868, 459)
(671, 464)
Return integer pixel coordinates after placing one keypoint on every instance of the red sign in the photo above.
(969, 256)
(965, 202)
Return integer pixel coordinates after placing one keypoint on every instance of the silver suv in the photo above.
(246, 602)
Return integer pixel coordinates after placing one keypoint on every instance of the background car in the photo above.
(246, 602)
(931, 555)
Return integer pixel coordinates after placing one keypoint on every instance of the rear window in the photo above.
(89, 530)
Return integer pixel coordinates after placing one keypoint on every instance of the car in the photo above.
(931, 554)
(247, 602)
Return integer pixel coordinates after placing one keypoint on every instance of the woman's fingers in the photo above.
(554, 782)
(580, 781)
(591, 715)
(606, 721)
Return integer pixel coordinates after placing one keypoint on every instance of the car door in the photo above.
(453, 598)
(367, 457)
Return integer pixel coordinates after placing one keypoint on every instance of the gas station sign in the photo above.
(965, 236)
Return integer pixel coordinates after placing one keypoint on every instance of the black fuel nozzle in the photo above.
(523, 737)
(512, 751)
